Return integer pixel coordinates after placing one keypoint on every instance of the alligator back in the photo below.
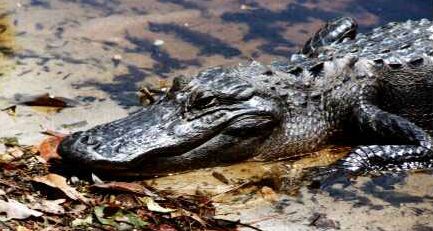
(401, 55)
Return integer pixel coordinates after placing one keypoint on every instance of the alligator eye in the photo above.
(200, 100)
(204, 102)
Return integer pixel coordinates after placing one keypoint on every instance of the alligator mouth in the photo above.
(159, 139)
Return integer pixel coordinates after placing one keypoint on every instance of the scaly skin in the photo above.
(381, 83)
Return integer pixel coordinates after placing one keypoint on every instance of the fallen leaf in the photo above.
(57, 181)
(126, 187)
(17, 210)
(77, 209)
(22, 228)
(48, 148)
(269, 194)
(99, 213)
(183, 212)
(119, 219)
(82, 221)
(155, 207)
(6, 158)
(49, 206)
(9, 141)
(16, 152)
(129, 218)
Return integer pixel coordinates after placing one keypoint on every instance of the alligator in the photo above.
(378, 85)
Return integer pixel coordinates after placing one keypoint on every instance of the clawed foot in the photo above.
(326, 176)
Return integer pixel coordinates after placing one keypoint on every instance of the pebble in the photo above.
(158, 42)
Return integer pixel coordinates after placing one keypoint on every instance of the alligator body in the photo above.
(378, 84)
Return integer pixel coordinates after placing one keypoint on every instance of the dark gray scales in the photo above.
(380, 83)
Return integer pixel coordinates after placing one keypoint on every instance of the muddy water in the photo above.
(97, 53)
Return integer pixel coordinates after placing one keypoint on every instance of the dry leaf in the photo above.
(183, 212)
(22, 228)
(16, 210)
(16, 152)
(48, 148)
(269, 194)
(82, 222)
(99, 213)
(155, 207)
(126, 187)
(57, 181)
(77, 209)
(6, 158)
(50, 206)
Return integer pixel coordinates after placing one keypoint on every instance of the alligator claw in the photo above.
(324, 177)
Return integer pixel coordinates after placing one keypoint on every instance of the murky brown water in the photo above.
(99, 52)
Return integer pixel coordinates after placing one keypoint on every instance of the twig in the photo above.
(238, 222)
(264, 219)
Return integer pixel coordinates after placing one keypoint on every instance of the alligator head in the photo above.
(222, 115)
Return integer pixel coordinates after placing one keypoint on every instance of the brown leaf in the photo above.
(155, 207)
(183, 212)
(16, 152)
(22, 228)
(59, 182)
(269, 194)
(126, 187)
(48, 148)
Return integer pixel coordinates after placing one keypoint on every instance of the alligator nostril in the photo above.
(89, 140)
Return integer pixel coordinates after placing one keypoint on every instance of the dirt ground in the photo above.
(68, 65)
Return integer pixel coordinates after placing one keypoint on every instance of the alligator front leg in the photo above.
(415, 153)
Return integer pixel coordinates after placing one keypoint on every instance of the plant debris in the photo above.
(57, 181)
(34, 196)
(126, 187)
